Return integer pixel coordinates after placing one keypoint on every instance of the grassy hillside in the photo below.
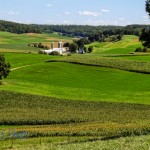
(72, 97)
(10, 42)
(77, 82)
(128, 44)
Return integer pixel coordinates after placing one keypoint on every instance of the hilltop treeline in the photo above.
(71, 30)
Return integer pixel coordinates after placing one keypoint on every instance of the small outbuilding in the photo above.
(55, 46)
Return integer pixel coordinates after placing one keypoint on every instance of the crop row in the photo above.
(66, 117)
(118, 63)
(17, 108)
(97, 129)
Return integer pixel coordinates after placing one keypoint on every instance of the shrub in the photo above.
(145, 49)
(139, 49)
(66, 44)
(73, 47)
(41, 52)
(46, 47)
(35, 44)
(90, 49)
(56, 53)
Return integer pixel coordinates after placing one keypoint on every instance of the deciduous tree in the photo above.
(148, 7)
(73, 47)
(145, 35)
(4, 68)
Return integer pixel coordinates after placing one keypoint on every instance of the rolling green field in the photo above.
(75, 82)
(72, 99)
(10, 42)
(128, 44)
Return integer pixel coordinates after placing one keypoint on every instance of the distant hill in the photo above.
(127, 45)
(11, 42)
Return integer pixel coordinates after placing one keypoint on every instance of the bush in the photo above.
(139, 49)
(41, 52)
(90, 49)
(66, 44)
(73, 47)
(56, 53)
(145, 49)
(46, 47)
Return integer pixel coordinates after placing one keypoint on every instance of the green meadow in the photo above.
(65, 102)
(76, 82)
(127, 45)
(10, 42)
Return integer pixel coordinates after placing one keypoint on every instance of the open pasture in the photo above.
(19, 42)
(73, 81)
(72, 99)
(128, 44)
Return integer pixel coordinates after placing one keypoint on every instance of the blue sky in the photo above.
(90, 12)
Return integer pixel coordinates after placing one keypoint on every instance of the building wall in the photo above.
(57, 45)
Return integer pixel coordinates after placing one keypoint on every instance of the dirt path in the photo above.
(19, 67)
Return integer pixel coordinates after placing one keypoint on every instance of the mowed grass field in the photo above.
(128, 44)
(62, 103)
(75, 82)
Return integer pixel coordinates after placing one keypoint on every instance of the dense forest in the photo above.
(72, 30)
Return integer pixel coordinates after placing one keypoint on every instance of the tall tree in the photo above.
(4, 68)
(148, 7)
(145, 35)
(73, 47)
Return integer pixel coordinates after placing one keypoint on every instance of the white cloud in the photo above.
(49, 5)
(13, 13)
(105, 10)
(66, 21)
(89, 13)
(67, 13)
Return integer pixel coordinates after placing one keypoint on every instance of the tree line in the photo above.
(72, 30)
